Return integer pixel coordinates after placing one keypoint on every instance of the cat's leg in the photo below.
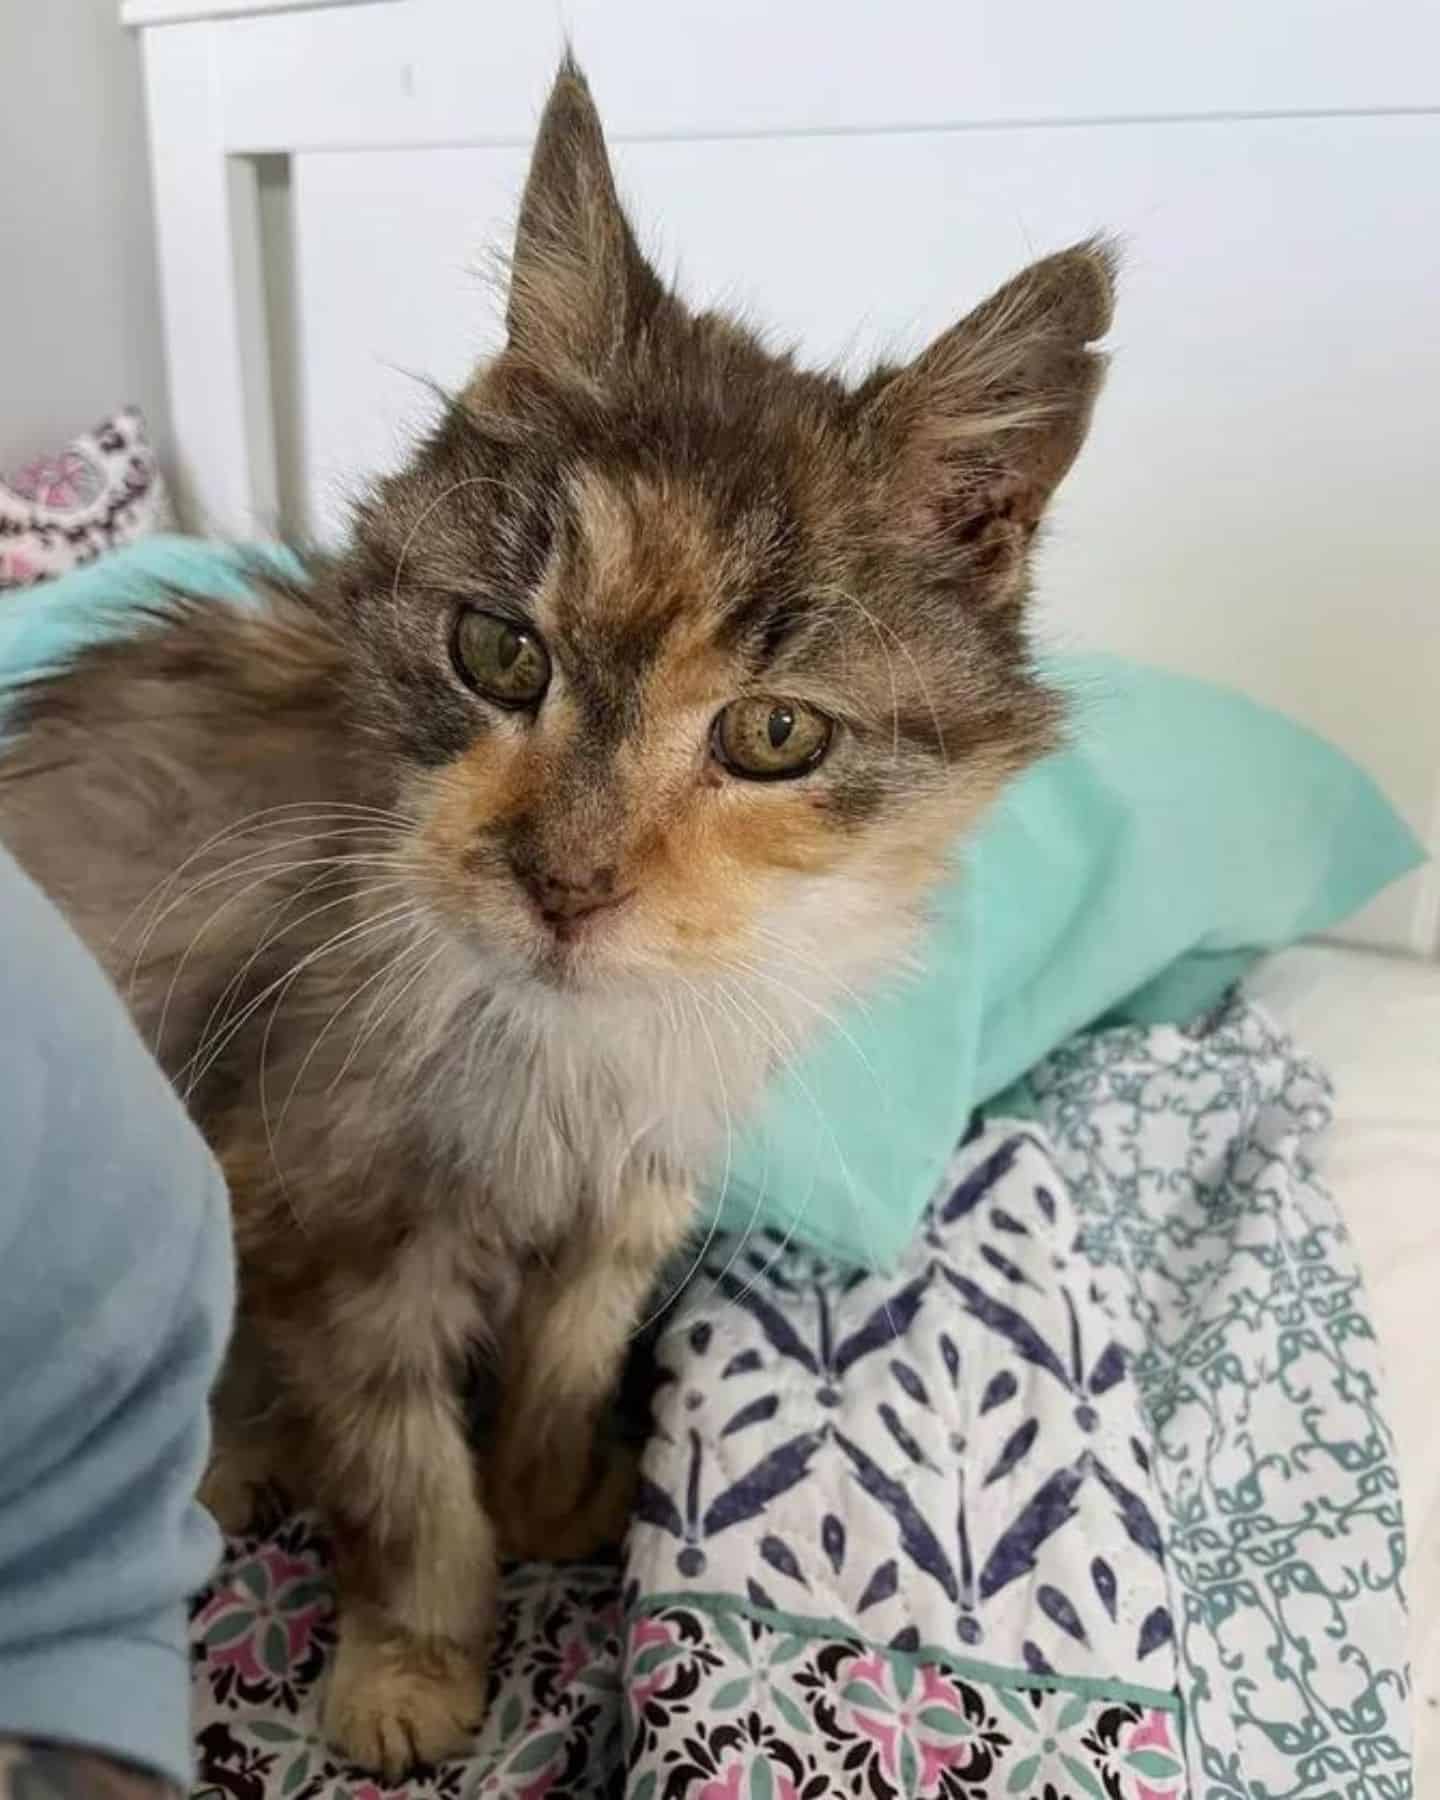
(417, 1586)
(255, 1450)
(372, 1378)
(554, 1490)
(241, 1471)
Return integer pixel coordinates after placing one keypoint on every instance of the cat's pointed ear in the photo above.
(580, 289)
(974, 436)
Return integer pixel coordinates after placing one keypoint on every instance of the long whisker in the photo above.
(250, 823)
(879, 625)
(329, 863)
(352, 896)
(698, 1259)
(439, 500)
(351, 933)
(285, 984)
(369, 1029)
(264, 1097)
(874, 625)
(829, 1018)
(419, 975)
(808, 959)
(788, 1058)
(370, 981)
(794, 1075)
(235, 985)
(723, 991)
(239, 865)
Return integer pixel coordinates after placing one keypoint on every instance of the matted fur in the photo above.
(465, 998)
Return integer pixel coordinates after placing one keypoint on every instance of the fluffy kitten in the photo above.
(466, 890)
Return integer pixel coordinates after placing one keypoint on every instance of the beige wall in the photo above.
(79, 319)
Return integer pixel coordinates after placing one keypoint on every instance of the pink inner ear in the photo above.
(983, 426)
(976, 524)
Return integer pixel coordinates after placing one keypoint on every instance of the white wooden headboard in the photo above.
(1260, 501)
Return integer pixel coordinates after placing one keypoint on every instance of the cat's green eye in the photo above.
(768, 739)
(501, 660)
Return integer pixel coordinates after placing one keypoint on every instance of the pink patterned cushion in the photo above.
(103, 490)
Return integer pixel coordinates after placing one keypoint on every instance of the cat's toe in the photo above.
(395, 1701)
(232, 1490)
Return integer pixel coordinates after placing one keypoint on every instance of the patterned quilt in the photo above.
(1092, 1499)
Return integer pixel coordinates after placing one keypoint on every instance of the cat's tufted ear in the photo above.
(580, 289)
(973, 437)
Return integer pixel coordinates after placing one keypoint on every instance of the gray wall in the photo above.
(79, 317)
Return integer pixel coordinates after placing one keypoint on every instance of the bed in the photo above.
(1094, 1493)
(1374, 1022)
(1257, 507)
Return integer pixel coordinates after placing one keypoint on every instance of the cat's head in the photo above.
(696, 662)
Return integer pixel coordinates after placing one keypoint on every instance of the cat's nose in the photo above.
(562, 898)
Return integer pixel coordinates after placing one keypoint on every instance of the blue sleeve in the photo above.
(116, 1289)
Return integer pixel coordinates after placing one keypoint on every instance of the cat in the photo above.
(469, 888)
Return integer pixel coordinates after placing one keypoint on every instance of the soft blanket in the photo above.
(1091, 1497)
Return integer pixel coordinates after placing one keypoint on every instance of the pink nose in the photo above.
(565, 899)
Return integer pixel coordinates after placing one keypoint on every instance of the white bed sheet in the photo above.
(1374, 1022)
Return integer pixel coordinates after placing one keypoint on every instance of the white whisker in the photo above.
(439, 500)
(368, 1028)
(238, 866)
(270, 1135)
(273, 932)
(699, 1258)
(270, 874)
(723, 989)
(244, 827)
(350, 934)
(789, 952)
(830, 1019)
(330, 866)
(793, 1075)
(874, 625)
(879, 625)
(385, 969)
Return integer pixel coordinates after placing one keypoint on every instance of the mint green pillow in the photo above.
(40, 626)
(1132, 877)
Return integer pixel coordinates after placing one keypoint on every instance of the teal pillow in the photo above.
(40, 626)
(1132, 877)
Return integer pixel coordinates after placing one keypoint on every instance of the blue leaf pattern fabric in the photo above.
(1111, 1428)
(932, 1447)
(1103, 1577)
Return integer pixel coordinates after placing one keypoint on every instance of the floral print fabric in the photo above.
(102, 490)
(1091, 1498)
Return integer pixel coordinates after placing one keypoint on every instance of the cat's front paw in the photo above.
(566, 1505)
(395, 1701)
(240, 1489)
